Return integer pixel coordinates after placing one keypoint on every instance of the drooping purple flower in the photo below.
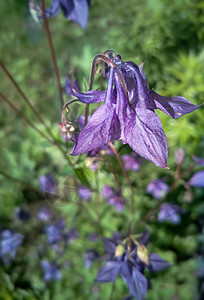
(89, 257)
(130, 265)
(131, 163)
(51, 271)
(75, 10)
(130, 116)
(9, 242)
(157, 188)
(55, 231)
(47, 184)
(170, 212)
(85, 193)
(197, 179)
(44, 214)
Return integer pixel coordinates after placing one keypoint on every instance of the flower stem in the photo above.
(34, 127)
(52, 52)
(125, 172)
(27, 101)
(18, 180)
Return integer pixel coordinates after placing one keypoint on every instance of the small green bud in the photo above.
(143, 254)
(119, 250)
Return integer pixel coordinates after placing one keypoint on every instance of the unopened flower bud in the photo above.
(119, 250)
(68, 130)
(143, 254)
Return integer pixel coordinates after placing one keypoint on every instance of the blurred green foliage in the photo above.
(169, 37)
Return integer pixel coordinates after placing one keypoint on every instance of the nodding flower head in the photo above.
(128, 113)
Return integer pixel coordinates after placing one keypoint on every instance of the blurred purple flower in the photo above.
(118, 201)
(197, 179)
(170, 213)
(71, 235)
(89, 257)
(21, 214)
(198, 160)
(93, 237)
(179, 155)
(130, 116)
(157, 188)
(51, 271)
(107, 191)
(84, 193)
(55, 231)
(130, 266)
(113, 198)
(131, 163)
(44, 214)
(9, 242)
(75, 10)
(47, 184)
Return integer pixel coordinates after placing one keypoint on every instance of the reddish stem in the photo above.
(52, 52)
(125, 172)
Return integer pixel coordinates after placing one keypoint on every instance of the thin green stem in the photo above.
(18, 180)
(52, 52)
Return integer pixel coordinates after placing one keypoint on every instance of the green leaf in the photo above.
(85, 175)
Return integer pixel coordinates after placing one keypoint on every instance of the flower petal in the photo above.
(109, 271)
(76, 10)
(145, 135)
(53, 9)
(157, 263)
(97, 132)
(174, 107)
(197, 179)
(90, 97)
(136, 281)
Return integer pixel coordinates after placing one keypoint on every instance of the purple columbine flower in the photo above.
(131, 162)
(130, 265)
(44, 214)
(84, 193)
(170, 212)
(129, 115)
(157, 188)
(51, 271)
(75, 10)
(47, 184)
(9, 242)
